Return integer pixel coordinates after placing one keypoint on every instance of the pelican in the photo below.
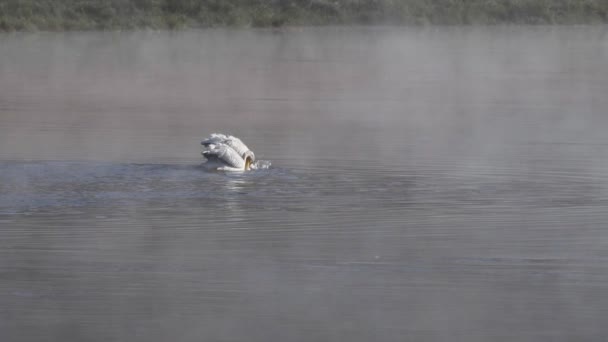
(227, 153)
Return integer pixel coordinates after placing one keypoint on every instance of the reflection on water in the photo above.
(427, 184)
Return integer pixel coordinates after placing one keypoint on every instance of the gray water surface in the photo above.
(427, 184)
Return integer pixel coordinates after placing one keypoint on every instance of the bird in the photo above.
(227, 153)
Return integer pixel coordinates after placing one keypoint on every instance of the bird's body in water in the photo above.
(227, 153)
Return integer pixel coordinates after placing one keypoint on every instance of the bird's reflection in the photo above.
(235, 188)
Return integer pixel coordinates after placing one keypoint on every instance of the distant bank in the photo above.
(59, 15)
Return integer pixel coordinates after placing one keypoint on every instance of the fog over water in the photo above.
(427, 184)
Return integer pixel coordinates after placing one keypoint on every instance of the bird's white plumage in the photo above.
(226, 153)
(229, 140)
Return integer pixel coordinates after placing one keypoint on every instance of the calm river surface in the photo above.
(427, 184)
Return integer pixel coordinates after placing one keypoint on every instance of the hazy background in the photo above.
(428, 184)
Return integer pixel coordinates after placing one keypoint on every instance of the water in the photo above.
(427, 184)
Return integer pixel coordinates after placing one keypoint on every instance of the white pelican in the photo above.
(227, 153)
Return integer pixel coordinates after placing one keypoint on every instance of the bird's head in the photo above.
(249, 159)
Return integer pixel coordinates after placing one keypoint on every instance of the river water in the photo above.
(427, 184)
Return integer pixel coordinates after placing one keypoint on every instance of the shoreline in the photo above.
(303, 28)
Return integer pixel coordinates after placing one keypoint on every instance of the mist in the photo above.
(427, 183)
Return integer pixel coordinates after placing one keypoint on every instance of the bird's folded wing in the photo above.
(229, 140)
(226, 155)
(214, 139)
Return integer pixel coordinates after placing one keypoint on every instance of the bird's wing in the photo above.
(232, 141)
(237, 145)
(214, 139)
(225, 154)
